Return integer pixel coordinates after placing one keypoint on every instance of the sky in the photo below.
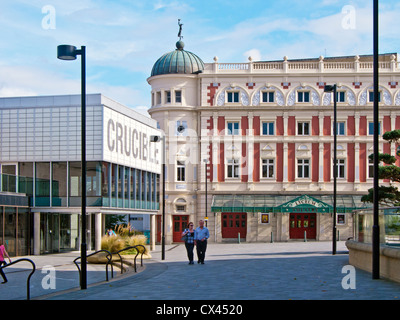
(124, 38)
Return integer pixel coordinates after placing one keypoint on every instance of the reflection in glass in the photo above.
(42, 184)
(59, 184)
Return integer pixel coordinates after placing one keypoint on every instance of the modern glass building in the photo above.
(40, 193)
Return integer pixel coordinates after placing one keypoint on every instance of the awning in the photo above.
(285, 203)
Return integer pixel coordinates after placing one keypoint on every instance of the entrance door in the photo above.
(233, 224)
(50, 232)
(159, 228)
(302, 222)
(180, 224)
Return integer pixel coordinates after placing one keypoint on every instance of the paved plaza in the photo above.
(246, 271)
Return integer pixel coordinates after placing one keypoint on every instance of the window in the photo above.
(158, 97)
(268, 168)
(341, 96)
(303, 128)
(167, 96)
(233, 168)
(371, 128)
(340, 168)
(340, 128)
(268, 128)
(268, 96)
(370, 168)
(181, 125)
(180, 205)
(303, 168)
(371, 96)
(180, 171)
(303, 96)
(341, 218)
(178, 96)
(233, 128)
(233, 96)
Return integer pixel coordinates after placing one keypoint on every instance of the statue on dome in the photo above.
(180, 29)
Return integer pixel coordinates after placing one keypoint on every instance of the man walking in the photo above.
(201, 236)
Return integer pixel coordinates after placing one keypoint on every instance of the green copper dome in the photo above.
(178, 61)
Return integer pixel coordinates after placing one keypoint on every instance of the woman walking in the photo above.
(188, 236)
(3, 253)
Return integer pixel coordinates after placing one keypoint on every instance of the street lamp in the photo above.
(68, 52)
(332, 88)
(205, 175)
(158, 139)
(154, 138)
(375, 227)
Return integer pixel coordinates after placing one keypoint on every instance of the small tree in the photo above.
(389, 195)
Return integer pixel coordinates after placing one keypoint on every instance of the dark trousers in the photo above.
(189, 249)
(1, 271)
(201, 250)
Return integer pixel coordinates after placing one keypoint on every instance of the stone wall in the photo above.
(360, 256)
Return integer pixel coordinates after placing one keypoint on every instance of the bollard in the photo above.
(239, 237)
(272, 237)
(305, 236)
(338, 236)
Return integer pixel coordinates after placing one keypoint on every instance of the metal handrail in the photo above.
(132, 247)
(109, 260)
(28, 295)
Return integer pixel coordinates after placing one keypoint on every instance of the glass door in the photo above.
(50, 232)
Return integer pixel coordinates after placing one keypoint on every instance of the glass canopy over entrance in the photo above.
(285, 203)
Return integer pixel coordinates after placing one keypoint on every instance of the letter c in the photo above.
(110, 141)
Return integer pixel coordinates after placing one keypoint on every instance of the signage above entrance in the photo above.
(305, 203)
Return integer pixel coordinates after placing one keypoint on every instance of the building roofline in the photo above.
(92, 99)
(361, 57)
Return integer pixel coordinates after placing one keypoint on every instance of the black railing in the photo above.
(137, 253)
(28, 294)
(109, 260)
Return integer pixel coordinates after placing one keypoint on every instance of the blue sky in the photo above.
(125, 37)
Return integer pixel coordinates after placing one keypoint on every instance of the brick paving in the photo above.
(246, 271)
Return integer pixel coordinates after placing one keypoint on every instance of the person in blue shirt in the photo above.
(200, 236)
(188, 236)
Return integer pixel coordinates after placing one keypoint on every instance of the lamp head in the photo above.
(155, 138)
(66, 52)
(329, 88)
(180, 129)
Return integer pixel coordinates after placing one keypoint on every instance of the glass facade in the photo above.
(58, 184)
(15, 230)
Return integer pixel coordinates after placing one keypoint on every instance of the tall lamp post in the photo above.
(332, 88)
(205, 175)
(154, 138)
(158, 139)
(375, 227)
(68, 52)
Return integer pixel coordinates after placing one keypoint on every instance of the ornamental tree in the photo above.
(387, 195)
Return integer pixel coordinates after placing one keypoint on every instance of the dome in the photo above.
(178, 61)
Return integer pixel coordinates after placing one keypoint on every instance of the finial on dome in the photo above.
(180, 45)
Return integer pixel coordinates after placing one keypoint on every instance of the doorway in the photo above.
(302, 225)
(233, 224)
(180, 224)
(58, 232)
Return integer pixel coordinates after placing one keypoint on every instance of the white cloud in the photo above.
(255, 54)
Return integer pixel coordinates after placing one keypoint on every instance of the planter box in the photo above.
(360, 256)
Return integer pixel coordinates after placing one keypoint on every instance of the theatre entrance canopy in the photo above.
(285, 203)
